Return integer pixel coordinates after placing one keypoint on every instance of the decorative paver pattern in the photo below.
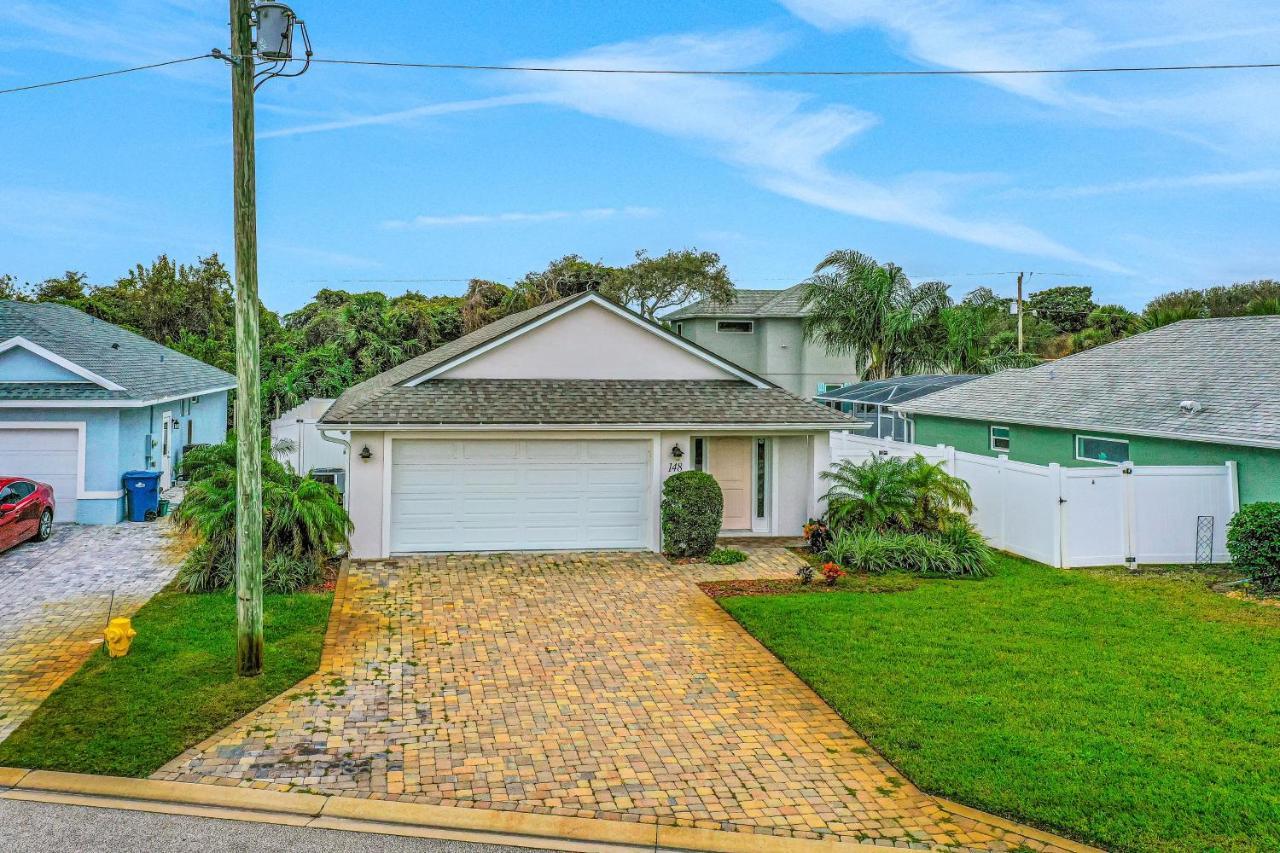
(592, 685)
(56, 595)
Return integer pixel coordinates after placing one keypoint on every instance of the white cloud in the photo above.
(402, 116)
(995, 34)
(518, 217)
(780, 139)
(1254, 178)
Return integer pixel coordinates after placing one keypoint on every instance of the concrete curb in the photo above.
(580, 835)
(1021, 829)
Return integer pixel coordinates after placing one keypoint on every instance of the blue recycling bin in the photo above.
(143, 489)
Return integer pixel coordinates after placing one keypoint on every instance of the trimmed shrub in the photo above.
(725, 557)
(692, 508)
(1253, 540)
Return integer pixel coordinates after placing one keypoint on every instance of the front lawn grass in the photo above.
(1138, 713)
(128, 716)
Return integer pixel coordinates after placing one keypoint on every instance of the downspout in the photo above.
(324, 434)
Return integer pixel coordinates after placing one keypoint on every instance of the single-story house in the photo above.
(82, 401)
(763, 331)
(554, 428)
(1196, 392)
(875, 400)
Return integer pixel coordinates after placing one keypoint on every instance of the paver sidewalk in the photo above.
(56, 596)
(591, 685)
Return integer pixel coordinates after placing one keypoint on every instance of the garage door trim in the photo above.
(81, 428)
(653, 476)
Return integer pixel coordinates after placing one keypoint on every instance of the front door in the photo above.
(166, 450)
(730, 464)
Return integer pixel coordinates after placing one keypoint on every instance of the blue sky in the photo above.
(395, 179)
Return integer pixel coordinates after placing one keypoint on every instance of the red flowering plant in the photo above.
(831, 572)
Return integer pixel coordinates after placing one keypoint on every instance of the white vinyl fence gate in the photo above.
(1096, 516)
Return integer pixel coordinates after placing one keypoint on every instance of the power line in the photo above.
(102, 74)
(690, 72)
(868, 72)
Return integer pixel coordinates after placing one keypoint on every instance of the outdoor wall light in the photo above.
(366, 453)
(676, 452)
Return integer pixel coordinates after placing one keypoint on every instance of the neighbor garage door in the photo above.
(519, 495)
(48, 456)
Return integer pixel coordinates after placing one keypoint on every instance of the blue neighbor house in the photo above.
(83, 401)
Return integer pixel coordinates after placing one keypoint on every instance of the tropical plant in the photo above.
(973, 556)
(958, 550)
(858, 307)
(1253, 540)
(887, 493)
(692, 509)
(875, 495)
(832, 573)
(726, 557)
(304, 523)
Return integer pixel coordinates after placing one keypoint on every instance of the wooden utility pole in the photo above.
(248, 402)
(1019, 312)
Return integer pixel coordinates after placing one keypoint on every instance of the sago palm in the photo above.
(875, 494)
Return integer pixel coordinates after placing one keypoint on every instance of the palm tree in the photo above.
(874, 494)
(939, 496)
(857, 306)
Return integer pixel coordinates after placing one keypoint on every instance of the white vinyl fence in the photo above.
(1097, 516)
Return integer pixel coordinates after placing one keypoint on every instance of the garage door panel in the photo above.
(48, 456)
(483, 495)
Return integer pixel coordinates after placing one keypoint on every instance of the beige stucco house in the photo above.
(554, 428)
(763, 330)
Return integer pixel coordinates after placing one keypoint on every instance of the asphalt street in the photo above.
(46, 828)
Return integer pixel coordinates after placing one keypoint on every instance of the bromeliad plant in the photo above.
(303, 522)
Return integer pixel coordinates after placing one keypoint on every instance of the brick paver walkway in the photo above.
(55, 598)
(602, 685)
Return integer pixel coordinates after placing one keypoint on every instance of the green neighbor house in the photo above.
(1196, 392)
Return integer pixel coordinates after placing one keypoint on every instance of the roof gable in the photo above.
(24, 361)
(130, 368)
(588, 338)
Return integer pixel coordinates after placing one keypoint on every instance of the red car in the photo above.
(26, 511)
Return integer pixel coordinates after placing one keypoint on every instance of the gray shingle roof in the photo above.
(144, 369)
(747, 303)
(1229, 365)
(637, 403)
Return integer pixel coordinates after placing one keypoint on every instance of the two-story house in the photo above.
(763, 330)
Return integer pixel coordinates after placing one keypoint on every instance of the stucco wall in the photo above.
(365, 496)
(589, 342)
(741, 348)
(22, 365)
(793, 482)
(776, 350)
(1258, 468)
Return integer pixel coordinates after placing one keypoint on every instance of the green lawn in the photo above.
(177, 686)
(1134, 713)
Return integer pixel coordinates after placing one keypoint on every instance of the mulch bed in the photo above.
(792, 586)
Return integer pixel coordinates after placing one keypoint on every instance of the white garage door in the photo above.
(48, 456)
(519, 495)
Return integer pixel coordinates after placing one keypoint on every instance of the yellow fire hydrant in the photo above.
(119, 636)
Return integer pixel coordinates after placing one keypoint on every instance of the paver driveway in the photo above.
(56, 596)
(602, 685)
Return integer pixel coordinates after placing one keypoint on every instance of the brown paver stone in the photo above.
(591, 685)
(56, 598)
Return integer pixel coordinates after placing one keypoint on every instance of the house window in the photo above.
(699, 454)
(760, 477)
(1000, 439)
(737, 327)
(1090, 448)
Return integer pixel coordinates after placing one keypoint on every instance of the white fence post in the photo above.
(1055, 512)
(1233, 489)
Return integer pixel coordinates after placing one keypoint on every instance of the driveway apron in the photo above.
(57, 594)
(592, 685)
